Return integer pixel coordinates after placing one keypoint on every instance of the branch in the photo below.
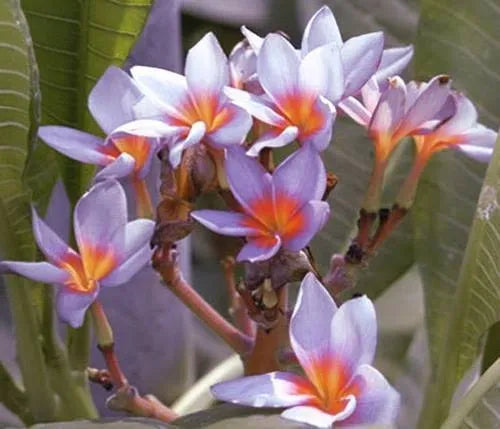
(166, 263)
(126, 398)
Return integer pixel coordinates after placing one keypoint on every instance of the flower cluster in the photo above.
(217, 127)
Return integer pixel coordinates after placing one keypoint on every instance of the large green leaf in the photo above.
(459, 38)
(18, 121)
(476, 305)
(75, 41)
(17, 107)
(479, 407)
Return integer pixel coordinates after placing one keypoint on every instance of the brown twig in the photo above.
(386, 227)
(165, 262)
(126, 398)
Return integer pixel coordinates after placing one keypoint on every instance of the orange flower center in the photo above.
(302, 111)
(136, 146)
(86, 270)
(276, 217)
(205, 108)
(328, 384)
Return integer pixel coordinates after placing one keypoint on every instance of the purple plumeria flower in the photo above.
(294, 102)
(110, 251)
(130, 144)
(461, 132)
(361, 56)
(398, 110)
(279, 210)
(335, 347)
(195, 103)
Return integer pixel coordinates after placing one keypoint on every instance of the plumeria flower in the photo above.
(461, 132)
(361, 56)
(110, 251)
(130, 144)
(243, 68)
(395, 112)
(295, 102)
(335, 347)
(279, 210)
(195, 104)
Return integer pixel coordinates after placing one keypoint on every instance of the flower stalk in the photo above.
(166, 263)
(126, 398)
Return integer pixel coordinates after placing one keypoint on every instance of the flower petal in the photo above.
(120, 167)
(196, 134)
(390, 108)
(213, 75)
(234, 130)
(321, 73)
(132, 243)
(254, 40)
(275, 389)
(255, 106)
(273, 140)
(222, 222)
(310, 324)
(321, 29)
(52, 246)
(393, 61)
(150, 128)
(429, 102)
(278, 68)
(370, 93)
(479, 153)
(361, 58)
(377, 403)
(301, 176)
(71, 306)
(259, 249)
(315, 214)
(322, 137)
(355, 110)
(99, 213)
(112, 98)
(354, 333)
(317, 418)
(479, 136)
(83, 147)
(247, 178)
(38, 271)
(168, 90)
(129, 268)
(242, 64)
(464, 118)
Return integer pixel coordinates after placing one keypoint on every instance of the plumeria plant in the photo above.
(249, 130)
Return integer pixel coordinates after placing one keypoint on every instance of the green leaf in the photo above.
(476, 305)
(75, 41)
(18, 107)
(479, 407)
(459, 38)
